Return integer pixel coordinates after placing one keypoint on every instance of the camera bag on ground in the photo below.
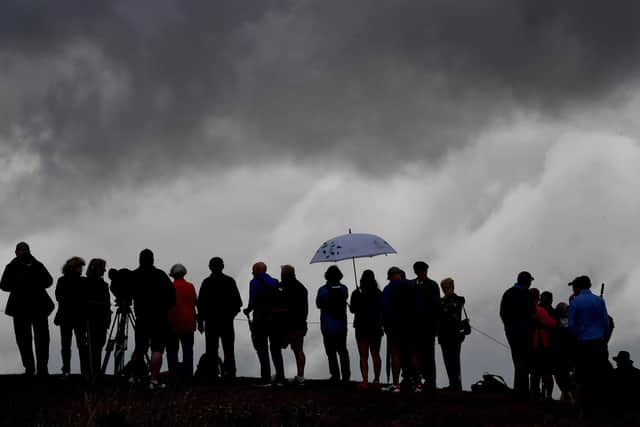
(491, 384)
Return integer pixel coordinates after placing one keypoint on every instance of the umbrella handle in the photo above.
(355, 275)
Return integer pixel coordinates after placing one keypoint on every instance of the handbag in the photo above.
(465, 324)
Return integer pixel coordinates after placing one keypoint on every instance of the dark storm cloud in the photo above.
(113, 92)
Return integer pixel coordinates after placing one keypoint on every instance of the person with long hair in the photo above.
(98, 313)
(542, 369)
(71, 294)
(367, 309)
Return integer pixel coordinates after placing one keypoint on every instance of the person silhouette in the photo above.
(153, 297)
(516, 312)
(27, 279)
(72, 314)
(218, 304)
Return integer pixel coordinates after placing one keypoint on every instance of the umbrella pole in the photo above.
(355, 275)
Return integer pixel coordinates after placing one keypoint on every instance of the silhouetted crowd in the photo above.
(567, 342)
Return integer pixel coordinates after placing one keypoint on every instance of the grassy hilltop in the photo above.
(61, 402)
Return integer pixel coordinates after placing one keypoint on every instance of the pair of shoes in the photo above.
(417, 388)
(393, 388)
(156, 385)
(298, 380)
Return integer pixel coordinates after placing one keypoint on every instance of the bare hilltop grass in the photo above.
(67, 402)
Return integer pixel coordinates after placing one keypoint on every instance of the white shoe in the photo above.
(298, 380)
(155, 385)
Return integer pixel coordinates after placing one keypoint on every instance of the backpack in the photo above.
(336, 303)
(491, 384)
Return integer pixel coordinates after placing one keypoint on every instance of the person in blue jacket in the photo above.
(589, 323)
(332, 302)
(268, 303)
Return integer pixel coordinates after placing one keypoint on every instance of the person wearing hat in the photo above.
(427, 298)
(182, 318)
(26, 279)
(332, 301)
(589, 324)
(626, 380)
(516, 312)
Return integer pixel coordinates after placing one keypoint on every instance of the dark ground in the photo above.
(67, 402)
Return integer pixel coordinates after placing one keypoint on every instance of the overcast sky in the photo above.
(483, 138)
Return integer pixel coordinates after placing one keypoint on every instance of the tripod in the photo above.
(120, 325)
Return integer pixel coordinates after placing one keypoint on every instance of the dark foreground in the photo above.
(66, 402)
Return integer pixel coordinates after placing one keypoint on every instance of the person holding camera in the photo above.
(27, 279)
(450, 335)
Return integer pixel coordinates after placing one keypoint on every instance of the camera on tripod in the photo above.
(122, 288)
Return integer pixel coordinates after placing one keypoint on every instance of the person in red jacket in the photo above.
(182, 318)
(544, 324)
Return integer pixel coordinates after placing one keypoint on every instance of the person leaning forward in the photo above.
(218, 304)
(26, 279)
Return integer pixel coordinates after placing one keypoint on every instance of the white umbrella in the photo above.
(352, 246)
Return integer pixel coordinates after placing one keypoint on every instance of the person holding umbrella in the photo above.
(332, 302)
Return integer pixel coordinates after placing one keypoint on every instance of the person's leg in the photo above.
(297, 346)
(80, 332)
(374, 348)
(98, 338)
(172, 354)
(396, 361)
(228, 338)
(212, 335)
(159, 338)
(330, 348)
(520, 365)
(22, 330)
(260, 340)
(42, 339)
(456, 365)
(66, 334)
(363, 351)
(428, 364)
(445, 346)
(343, 352)
(275, 347)
(186, 340)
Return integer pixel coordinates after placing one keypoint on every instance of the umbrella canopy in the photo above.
(352, 245)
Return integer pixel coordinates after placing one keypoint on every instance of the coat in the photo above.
(72, 297)
(153, 294)
(182, 316)
(26, 280)
(218, 299)
(99, 301)
(544, 324)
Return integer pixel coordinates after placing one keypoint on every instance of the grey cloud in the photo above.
(127, 92)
